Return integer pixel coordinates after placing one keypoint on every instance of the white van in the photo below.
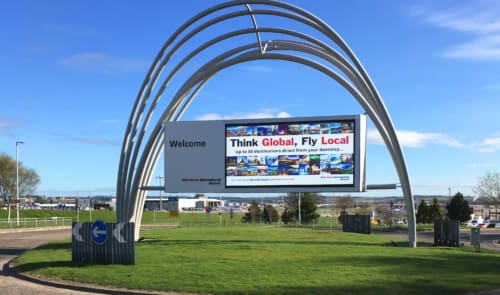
(476, 221)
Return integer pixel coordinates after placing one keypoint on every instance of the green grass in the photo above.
(269, 260)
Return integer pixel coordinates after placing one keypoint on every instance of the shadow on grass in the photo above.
(202, 242)
(12, 251)
(405, 244)
(55, 246)
(32, 266)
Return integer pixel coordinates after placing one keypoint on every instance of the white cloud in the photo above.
(489, 145)
(481, 19)
(93, 141)
(7, 125)
(488, 165)
(486, 48)
(415, 139)
(472, 19)
(265, 113)
(259, 68)
(102, 63)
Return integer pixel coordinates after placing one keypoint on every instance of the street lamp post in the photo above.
(17, 180)
(161, 205)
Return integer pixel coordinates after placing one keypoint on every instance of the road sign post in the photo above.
(101, 242)
(475, 238)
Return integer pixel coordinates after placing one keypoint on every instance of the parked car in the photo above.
(492, 223)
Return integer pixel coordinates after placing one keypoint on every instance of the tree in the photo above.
(344, 202)
(7, 177)
(288, 215)
(489, 188)
(254, 213)
(458, 208)
(428, 213)
(270, 214)
(342, 216)
(308, 205)
(435, 210)
(422, 215)
(28, 179)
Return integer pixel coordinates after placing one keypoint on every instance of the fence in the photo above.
(35, 222)
(201, 219)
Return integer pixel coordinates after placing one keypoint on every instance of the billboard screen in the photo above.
(266, 155)
(302, 153)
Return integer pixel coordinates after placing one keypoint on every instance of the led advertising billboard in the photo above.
(320, 154)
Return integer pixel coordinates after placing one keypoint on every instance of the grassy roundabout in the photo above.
(271, 260)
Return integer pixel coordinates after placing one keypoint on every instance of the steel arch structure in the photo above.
(329, 54)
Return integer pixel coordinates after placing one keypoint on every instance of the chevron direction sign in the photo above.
(101, 242)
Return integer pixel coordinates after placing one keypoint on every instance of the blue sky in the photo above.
(70, 72)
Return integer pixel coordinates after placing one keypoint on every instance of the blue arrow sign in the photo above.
(99, 232)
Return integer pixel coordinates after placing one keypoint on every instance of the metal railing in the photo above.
(35, 222)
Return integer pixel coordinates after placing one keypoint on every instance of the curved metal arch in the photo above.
(196, 79)
(363, 90)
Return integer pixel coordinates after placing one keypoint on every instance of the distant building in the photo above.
(84, 203)
(197, 203)
(100, 203)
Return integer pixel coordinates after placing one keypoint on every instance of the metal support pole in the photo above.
(90, 207)
(160, 179)
(17, 180)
